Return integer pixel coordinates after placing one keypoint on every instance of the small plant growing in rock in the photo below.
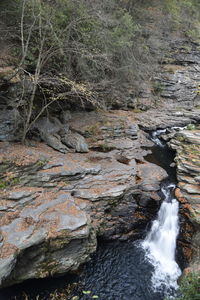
(88, 294)
(157, 87)
(191, 127)
(3, 184)
(190, 287)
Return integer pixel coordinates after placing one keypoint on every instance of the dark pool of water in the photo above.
(37, 289)
(163, 157)
(119, 271)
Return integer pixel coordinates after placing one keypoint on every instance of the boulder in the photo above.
(75, 141)
(59, 136)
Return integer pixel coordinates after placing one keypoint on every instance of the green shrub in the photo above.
(157, 87)
(89, 41)
(191, 127)
(190, 287)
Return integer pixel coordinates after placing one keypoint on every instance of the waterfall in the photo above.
(155, 137)
(160, 243)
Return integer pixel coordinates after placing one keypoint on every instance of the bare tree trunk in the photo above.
(36, 77)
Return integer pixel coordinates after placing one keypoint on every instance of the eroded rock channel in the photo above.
(55, 206)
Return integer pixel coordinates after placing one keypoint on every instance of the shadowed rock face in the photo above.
(54, 205)
(187, 146)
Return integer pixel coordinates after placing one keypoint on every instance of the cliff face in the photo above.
(54, 206)
(187, 144)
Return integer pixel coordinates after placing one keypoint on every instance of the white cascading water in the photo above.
(156, 134)
(160, 243)
(155, 137)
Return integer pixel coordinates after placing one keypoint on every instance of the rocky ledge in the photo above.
(187, 146)
(54, 205)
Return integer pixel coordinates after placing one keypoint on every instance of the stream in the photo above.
(131, 270)
(160, 243)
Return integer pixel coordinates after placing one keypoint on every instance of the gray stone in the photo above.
(58, 136)
(65, 116)
(53, 165)
(132, 131)
(7, 265)
(19, 195)
(75, 141)
(9, 122)
(54, 141)
(77, 197)
(197, 178)
(188, 171)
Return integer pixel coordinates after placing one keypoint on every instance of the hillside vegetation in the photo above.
(89, 53)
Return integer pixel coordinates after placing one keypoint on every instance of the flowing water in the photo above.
(144, 269)
(155, 137)
(141, 270)
(160, 243)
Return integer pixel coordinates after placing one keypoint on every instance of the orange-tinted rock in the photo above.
(54, 205)
(179, 196)
(188, 193)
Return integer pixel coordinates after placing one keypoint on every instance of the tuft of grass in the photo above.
(4, 183)
(190, 287)
(157, 88)
(191, 127)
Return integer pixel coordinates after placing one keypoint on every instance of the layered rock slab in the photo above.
(53, 205)
(187, 146)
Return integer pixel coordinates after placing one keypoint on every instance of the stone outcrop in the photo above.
(166, 118)
(187, 146)
(173, 86)
(54, 205)
(59, 136)
(175, 82)
(54, 131)
(178, 81)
